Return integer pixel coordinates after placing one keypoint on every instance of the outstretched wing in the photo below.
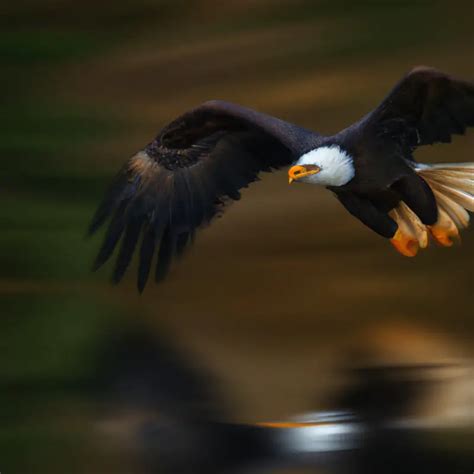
(182, 179)
(425, 107)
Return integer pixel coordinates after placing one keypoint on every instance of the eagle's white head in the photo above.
(326, 165)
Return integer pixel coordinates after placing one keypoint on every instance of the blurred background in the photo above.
(273, 298)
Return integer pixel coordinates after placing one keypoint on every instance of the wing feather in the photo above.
(185, 177)
(147, 250)
(425, 107)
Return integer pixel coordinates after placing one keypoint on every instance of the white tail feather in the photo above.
(445, 166)
(454, 181)
(463, 198)
(453, 187)
(455, 210)
(462, 184)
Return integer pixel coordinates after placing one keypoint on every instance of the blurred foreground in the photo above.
(148, 407)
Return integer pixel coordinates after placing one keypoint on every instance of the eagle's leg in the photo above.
(364, 210)
(418, 196)
(411, 233)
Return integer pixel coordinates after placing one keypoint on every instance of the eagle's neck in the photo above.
(337, 165)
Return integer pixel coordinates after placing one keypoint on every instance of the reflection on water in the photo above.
(274, 298)
(169, 414)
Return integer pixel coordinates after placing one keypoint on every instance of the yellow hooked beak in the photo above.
(297, 172)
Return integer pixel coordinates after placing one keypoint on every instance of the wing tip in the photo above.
(95, 224)
(96, 265)
(141, 286)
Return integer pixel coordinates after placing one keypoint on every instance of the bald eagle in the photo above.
(200, 161)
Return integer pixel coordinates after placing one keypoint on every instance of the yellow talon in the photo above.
(443, 236)
(405, 244)
(445, 230)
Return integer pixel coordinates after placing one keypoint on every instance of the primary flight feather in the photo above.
(201, 160)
